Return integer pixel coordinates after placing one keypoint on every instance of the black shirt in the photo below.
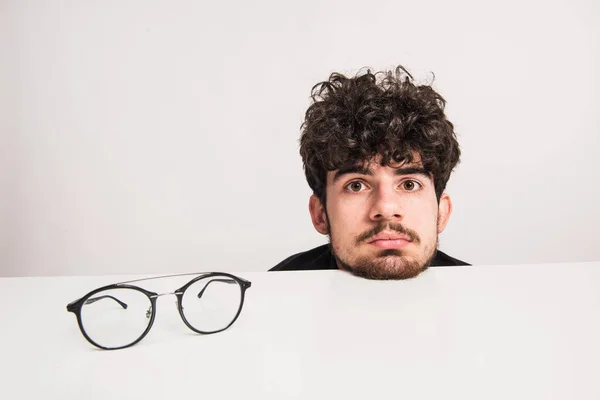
(321, 258)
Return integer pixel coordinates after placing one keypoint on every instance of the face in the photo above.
(383, 222)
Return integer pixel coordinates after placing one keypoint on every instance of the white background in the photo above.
(154, 136)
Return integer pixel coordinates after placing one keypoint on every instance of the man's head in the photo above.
(377, 152)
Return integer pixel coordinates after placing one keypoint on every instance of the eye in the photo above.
(355, 186)
(411, 186)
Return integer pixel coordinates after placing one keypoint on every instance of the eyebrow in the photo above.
(412, 171)
(362, 170)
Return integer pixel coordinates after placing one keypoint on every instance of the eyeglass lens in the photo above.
(212, 303)
(116, 317)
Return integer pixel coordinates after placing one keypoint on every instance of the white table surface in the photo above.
(493, 332)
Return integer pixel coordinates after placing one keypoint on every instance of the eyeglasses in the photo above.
(120, 315)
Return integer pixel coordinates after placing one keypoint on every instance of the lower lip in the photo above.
(390, 244)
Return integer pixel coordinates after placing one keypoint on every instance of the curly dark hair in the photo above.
(352, 120)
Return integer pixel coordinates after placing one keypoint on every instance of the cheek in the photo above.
(421, 215)
(344, 218)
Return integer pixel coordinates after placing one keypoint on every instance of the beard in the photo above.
(388, 263)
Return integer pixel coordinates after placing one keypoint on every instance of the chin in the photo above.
(386, 266)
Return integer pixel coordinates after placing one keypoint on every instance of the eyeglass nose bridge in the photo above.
(176, 293)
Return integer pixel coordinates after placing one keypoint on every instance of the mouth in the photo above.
(389, 240)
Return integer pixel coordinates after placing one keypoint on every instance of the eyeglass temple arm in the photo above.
(106, 296)
(214, 280)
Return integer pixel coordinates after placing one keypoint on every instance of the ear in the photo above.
(317, 214)
(444, 212)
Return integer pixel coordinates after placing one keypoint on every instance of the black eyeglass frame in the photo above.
(76, 306)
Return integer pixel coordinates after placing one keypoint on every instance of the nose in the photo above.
(386, 204)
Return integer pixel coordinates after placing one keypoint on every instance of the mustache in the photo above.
(413, 236)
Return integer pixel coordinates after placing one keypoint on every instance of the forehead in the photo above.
(374, 167)
(376, 162)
